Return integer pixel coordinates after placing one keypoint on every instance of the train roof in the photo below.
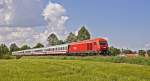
(62, 45)
(88, 41)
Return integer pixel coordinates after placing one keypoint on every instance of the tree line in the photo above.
(83, 34)
(116, 51)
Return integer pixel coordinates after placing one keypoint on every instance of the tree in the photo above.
(38, 45)
(61, 42)
(13, 47)
(114, 51)
(53, 40)
(127, 51)
(71, 38)
(148, 52)
(83, 34)
(24, 47)
(3, 50)
(142, 52)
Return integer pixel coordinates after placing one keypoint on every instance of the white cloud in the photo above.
(54, 14)
(147, 45)
(19, 35)
(6, 11)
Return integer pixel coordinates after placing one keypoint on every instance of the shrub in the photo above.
(137, 60)
(114, 51)
(68, 58)
(142, 52)
(8, 57)
(148, 52)
(119, 59)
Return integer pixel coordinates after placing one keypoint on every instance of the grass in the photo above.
(70, 70)
(114, 59)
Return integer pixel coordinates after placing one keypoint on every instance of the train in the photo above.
(86, 47)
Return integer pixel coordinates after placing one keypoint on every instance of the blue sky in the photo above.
(124, 22)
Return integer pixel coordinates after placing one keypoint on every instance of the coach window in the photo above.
(65, 48)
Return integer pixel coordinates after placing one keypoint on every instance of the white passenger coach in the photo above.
(58, 49)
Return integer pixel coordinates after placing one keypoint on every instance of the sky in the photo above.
(125, 23)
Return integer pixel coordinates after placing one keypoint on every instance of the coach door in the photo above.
(89, 46)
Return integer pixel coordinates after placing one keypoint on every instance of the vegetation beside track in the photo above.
(114, 59)
(70, 70)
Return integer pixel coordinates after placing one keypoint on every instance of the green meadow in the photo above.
(70, 70)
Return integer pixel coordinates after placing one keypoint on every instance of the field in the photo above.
(70, 70)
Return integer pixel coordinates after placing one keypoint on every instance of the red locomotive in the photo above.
(98, 45)
(93, 46)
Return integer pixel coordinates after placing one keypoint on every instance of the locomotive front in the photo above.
(103, 45)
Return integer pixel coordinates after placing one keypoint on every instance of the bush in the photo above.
(142, 52)
(148, 52)
(135, 60)
(119, 59)
(138, 60)
(68, 58)
(114, 51)
(7, 57)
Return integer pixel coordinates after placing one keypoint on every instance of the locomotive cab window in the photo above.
(95, 43)
(102, 43)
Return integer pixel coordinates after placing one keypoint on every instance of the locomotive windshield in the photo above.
(102, 43)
